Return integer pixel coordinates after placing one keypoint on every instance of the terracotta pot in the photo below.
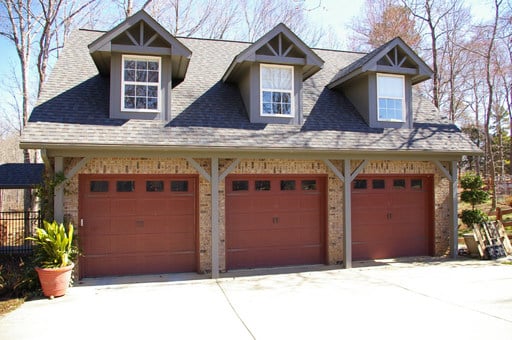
(55, 281)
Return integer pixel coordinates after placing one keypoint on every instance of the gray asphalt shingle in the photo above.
(74, 110)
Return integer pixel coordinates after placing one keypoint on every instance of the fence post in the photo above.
(499, 216)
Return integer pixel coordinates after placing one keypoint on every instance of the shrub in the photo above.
(473, 194)
(18, 278)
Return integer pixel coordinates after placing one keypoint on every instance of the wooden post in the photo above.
(215, 216)
(58, 201)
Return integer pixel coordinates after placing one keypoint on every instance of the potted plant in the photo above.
(53, 254)
(473, 194)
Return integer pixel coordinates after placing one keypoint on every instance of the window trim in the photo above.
(387, 75)
(123, 83)
(292, 106)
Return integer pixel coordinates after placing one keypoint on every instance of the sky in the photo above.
(334, 13)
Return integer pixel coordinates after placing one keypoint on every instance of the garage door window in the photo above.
(287, 185)
(399, 184)
(378, 184)
(179, 186)
(240, 186)
(416, 184)
(360, 184)
(154, 186)
(99, 186)
(262, 185)
(309, 185)
(125, 186)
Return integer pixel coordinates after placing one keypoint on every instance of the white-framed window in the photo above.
(391, 97)
(140, 83)
(276, 90)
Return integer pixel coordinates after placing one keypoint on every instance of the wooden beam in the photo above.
(229, 169)
(445, 172)
(359, 168)
(334, 169)
(77, 168)
(58, 201)
(455, 219)
(199, 168)
(280, 60)
(347, 216)
(215, 216)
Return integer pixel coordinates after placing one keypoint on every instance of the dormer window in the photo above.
(140, 84)
(276, 90)
(391, 97)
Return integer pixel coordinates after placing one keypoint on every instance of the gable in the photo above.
(140, 34)
(278, 46)
(393, 57)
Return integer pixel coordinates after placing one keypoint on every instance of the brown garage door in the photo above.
(274, 221)
(137, 224)
(391, 216)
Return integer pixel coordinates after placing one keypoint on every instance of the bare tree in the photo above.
(382, 21)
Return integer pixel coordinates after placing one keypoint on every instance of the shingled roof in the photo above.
(20, 175)
(207, 114)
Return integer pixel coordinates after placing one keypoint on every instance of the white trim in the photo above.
(292, 99)
(402, 99)
(159, 85)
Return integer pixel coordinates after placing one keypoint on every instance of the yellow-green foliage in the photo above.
(53, 245)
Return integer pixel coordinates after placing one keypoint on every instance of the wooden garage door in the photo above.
(137, 224)
(274, 221)
(391, 216)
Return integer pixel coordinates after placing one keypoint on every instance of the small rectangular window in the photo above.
(287, 185)
(360, 184)
(378, 184)
(416, 184)
(399, 184)
(240, 186)
(99, 186)
(125, 186)
(309, 184)
(179, 186)
(262, 185)
(154, 186)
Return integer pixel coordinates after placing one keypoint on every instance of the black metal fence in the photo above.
(15, 227)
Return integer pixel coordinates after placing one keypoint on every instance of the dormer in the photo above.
(144, 62)
(270, 73)
(380, 84)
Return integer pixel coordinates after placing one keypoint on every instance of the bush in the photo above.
(473, 194)
(18, 279)
(470, 217)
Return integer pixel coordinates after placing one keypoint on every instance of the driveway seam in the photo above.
(234, 309)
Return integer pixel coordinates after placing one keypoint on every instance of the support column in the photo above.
(455, 220)
(347, 216)
(215, 216)
(58, 200)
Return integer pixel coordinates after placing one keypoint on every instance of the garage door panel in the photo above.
(123, 207)
(391, 220)
(101, 207)
(142, 232)
(184, 205)
(281, 226)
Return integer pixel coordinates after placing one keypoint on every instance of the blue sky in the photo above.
(334, 13)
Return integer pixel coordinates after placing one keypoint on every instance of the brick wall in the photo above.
(265, 166)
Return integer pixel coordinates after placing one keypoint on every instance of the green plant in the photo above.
(54, 246)
(17, 278)
(473, 194)
(46, 190)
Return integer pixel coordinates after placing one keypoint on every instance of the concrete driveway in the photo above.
(402, 299)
